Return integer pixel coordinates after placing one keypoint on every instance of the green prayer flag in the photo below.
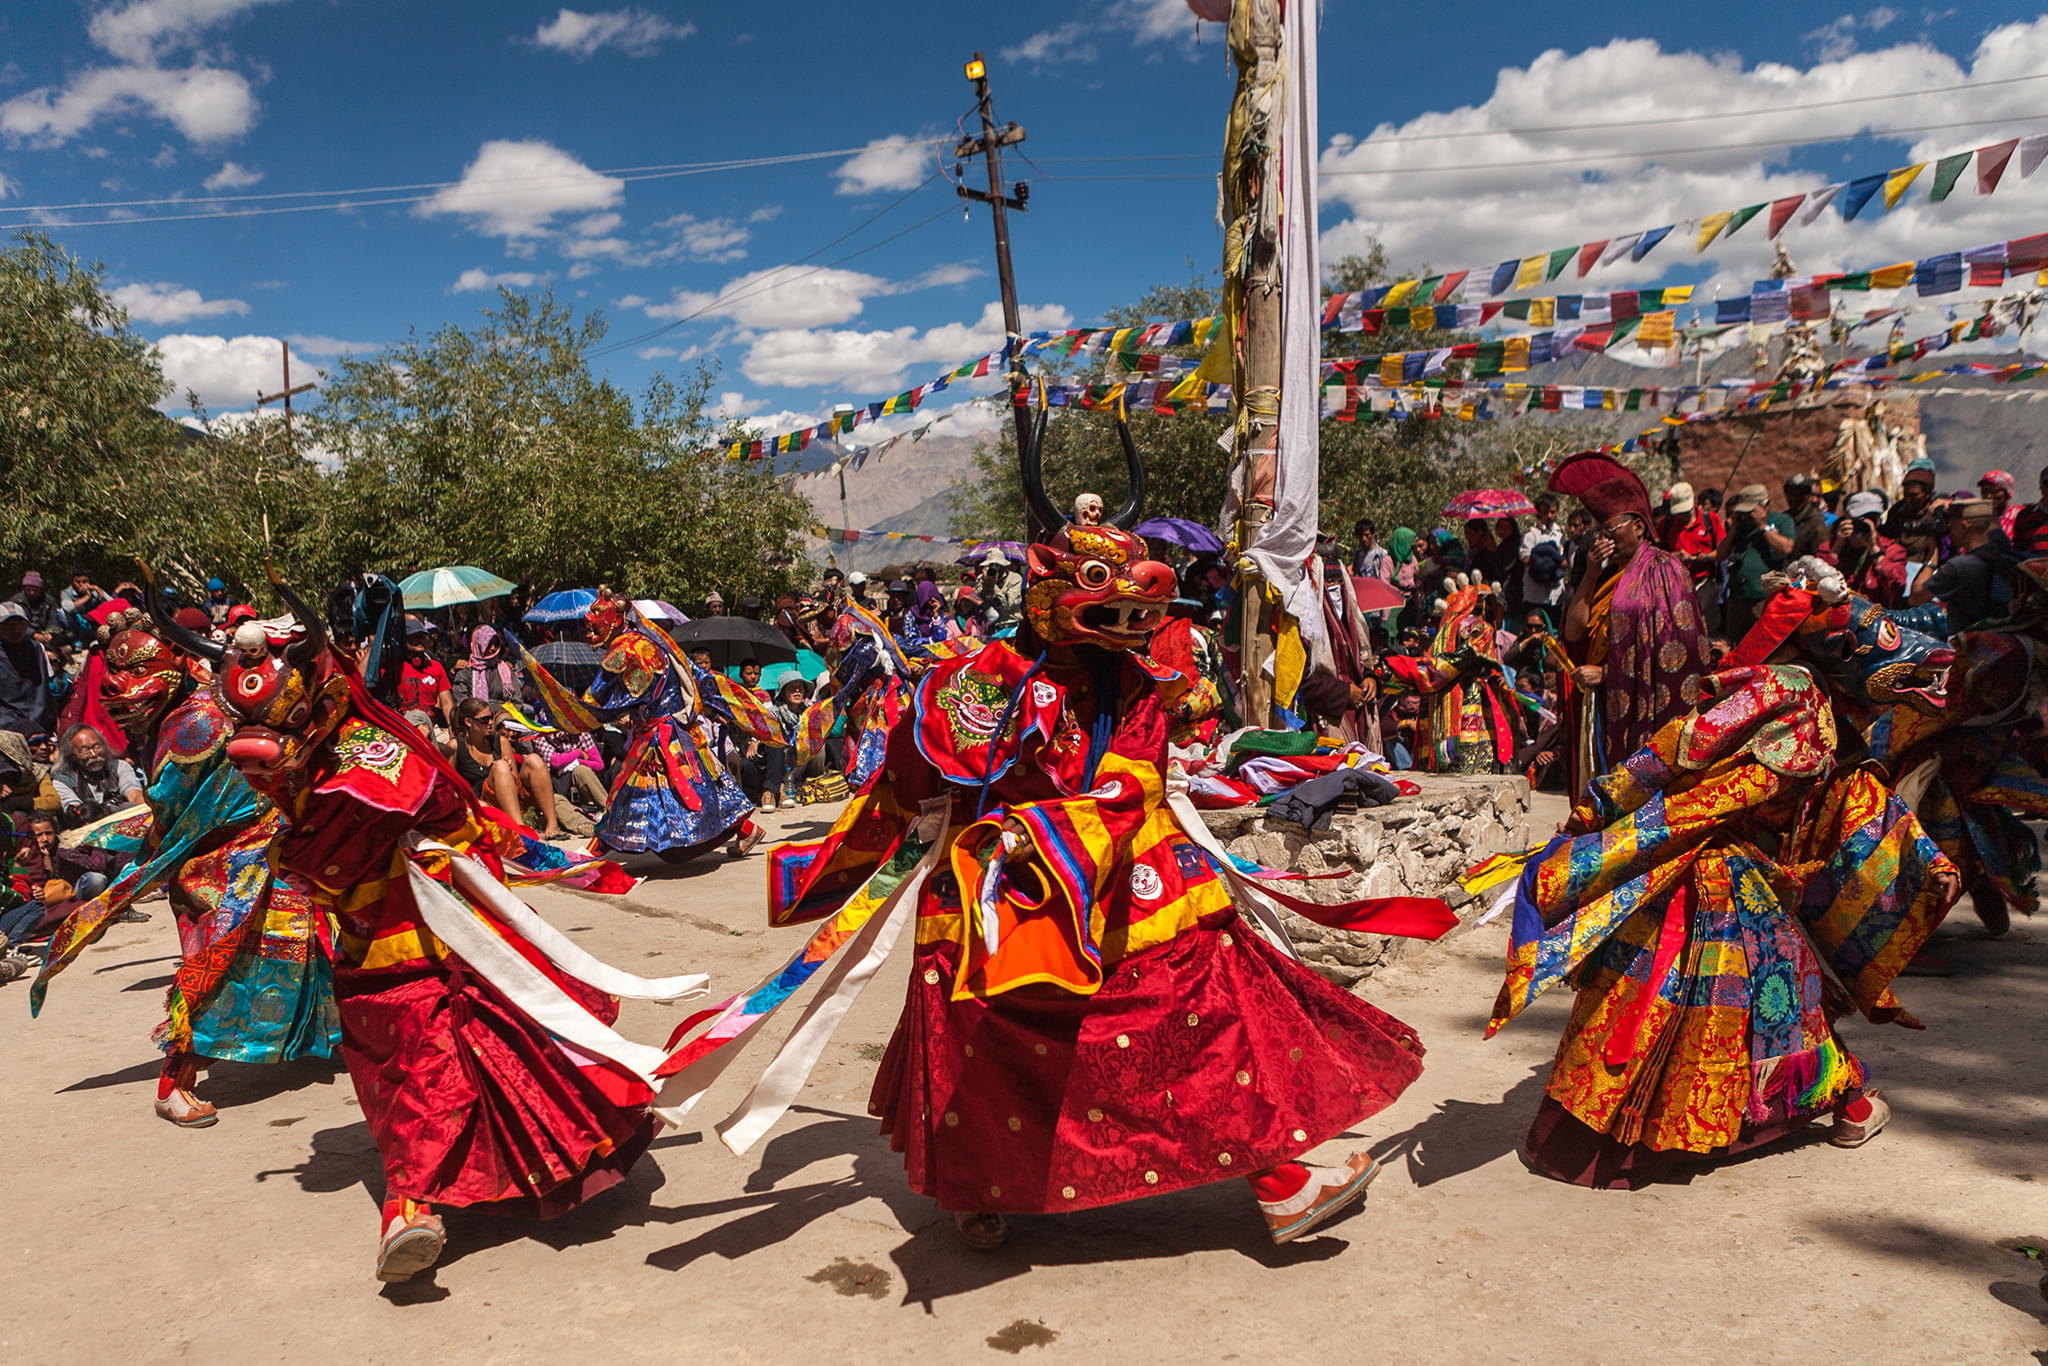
(1649, 300)
(1623, 328)
(1946, 173)
(1633, 402)
(1518, 309)
(1488, 362)
(1740, 217)
(1860, 280)
(1559, 259)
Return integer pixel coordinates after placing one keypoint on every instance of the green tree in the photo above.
(495, 445)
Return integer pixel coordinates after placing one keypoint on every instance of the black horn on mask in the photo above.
(190, 641)
(306, 648)
(1030, 446)
(1133, 509)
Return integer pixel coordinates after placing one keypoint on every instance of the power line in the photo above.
(1523, 162)
(777, 282)
(502, 185)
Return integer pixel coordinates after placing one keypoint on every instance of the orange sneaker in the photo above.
(186, 1110)
(412, 1243)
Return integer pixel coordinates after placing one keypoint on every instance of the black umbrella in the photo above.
(733, 640)
(573, 663)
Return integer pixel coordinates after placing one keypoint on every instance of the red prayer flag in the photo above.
(2023, 254)
(1331, 309)
(1590, 253)
(1487, 313)
(1782, 211)
(1991, 163)
(1809, 302)
(1621, 305)
(1450, 285)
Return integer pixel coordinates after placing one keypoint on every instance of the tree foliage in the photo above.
(1396, 473)
(496, 446)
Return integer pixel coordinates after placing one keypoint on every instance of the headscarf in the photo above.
(1401, 544)
(486, 660)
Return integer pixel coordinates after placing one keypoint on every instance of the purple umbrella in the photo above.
(1192, 537)
(1486, 504)
(1014, 550)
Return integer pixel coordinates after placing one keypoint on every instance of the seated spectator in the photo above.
(25, 787)
(60, 879)
(217, 602)
(498, 773)
(83, 595)
(25, 701)
(91, 783)
(40, 609)
(422, 682)
(575, 764)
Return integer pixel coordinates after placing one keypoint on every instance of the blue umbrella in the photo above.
(1192, 537)
(568, 605)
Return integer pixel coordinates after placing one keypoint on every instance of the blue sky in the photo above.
(519, 119)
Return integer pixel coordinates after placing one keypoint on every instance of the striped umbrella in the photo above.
(452, 584)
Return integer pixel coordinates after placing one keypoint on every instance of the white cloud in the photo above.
(1070, 42)
(634, 32)
(1142, 21)
(1836, 40)
(232, 176)
(874, 361)
(781, 296)
(147, 29)
(891, 163)
(226, 372)
(597, 224)
(709, 239)
(1391, 184)
(767, 213)
(163, 303)
(516, 189)
(205, 104)
(477, 279)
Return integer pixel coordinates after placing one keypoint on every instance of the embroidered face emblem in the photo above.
(1044, 693)
(1145, 882)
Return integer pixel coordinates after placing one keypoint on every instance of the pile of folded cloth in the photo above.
(1297, 775)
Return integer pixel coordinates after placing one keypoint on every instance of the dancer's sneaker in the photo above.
(744, 842)
(982, 1232)
(186, 1110)
(412, 1243)
(1851, 1133)
(1329, 1192)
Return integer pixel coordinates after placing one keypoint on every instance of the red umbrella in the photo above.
(1376, 595)
(1486, 504)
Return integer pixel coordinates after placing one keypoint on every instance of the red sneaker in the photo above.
(1329, 1192)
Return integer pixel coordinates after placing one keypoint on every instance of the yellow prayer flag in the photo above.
(1421, 319)
(1516, 354)
(1895, 184)
(1189, 388)
(1399, 295)
(1678, 294)
(1514, 393)
(1390, 368)
(1658, 329)
(1711, 225)
(2042, 277)
(1120, 338)
(1532, 269)
(1542, 312)
(1891, 277)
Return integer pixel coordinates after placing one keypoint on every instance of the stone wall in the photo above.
(1415, 847)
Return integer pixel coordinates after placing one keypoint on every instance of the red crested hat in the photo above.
(1783, 613)
(1607, 487)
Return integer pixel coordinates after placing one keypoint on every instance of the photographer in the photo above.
(1759, 541)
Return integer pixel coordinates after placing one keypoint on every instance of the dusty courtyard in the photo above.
(252, 1241)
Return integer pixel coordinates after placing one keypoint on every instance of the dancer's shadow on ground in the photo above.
(932, 1263)
(1465, 1135)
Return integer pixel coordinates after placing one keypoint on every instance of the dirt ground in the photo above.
(253, 1241)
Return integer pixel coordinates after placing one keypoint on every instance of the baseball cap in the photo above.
(32, 580)
(1751, 496)
(415, 627)
(13, 611)
(856, 578)
(1920, 465)
(1864, 503)
(215, 586)
(1682, 497)
(1998, 478)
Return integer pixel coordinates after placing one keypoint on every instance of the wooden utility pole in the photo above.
(286, 394)
(1251, 179)
(999, 200)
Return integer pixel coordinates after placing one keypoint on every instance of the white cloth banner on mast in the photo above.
(1284, 544)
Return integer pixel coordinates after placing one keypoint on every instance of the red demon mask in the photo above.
(1093, 584)
(282, 683)
(143, 676)
(605, 619)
